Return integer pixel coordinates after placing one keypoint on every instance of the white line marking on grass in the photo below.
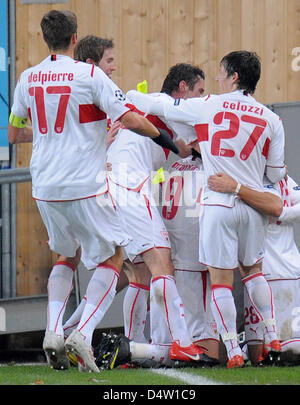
(185, 377)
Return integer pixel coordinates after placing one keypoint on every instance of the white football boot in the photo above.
(54, 348)
(83, 351)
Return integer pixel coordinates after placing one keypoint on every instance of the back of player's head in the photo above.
(248, 67)
(181, 71)
(92, 47)
(58, 28)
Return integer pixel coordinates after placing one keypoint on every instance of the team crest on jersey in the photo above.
(120, 96)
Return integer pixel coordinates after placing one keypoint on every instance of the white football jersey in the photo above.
(237, 135)
(282, 257)
(133, 157)
(68, 103)
(180, 209)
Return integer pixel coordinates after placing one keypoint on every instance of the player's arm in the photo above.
(266, 203)
(292, 214)
(275, 167)
(140, 125)
(18, 131)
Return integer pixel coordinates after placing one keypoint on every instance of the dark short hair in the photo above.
(91, 47)
(247, 65)
(58, 28)
(181, 71)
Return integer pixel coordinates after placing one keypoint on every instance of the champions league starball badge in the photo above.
(120, 96)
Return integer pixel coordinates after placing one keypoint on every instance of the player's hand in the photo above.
(112, 133)
(222, 183)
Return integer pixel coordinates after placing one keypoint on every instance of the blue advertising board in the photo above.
(4, 87)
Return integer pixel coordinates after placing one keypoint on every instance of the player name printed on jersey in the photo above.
(243, 107)
(181, 190)
(49, 77)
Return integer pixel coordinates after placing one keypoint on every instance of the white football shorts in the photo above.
(91, 223)
(194, 288)
(286, 295)
(229, 236)
(142, 221)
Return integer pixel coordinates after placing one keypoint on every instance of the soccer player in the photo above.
(281, 264)
(181, 193)
(130, 185)
(67, 103)
(241, 137)
(96, 51)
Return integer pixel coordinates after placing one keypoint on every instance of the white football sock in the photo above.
(158, 353)
(100, 293)
(261, 298)
(135, 311)
(224, 312)
(74, 319)
(166, 312)
(60, 285)
(292, 345)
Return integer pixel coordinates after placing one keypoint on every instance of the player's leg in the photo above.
(195, 290)
(60, 282)
(135, 303)
(262, 300)
(224, 311)
(254, 336)
(166, 306)
(101, 237)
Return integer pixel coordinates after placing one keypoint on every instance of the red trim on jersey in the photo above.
(138, 188)
(265, 151)
(282, 279)
(276, 167)
(207, 97)
(148, 205)
(67, 264)
(208, 265)
(204, 340)
(134, 109)
(90, 113)
(92, 71)
(76, 199)
(215, 286)
(131, 108)
(142, 286)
